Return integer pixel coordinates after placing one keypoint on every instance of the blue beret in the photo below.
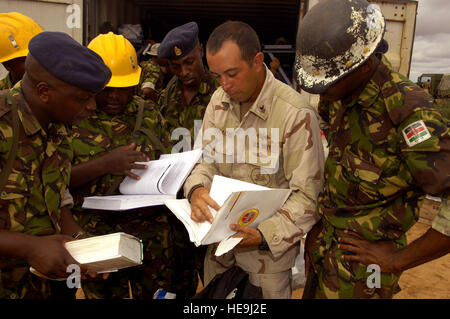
(179, 41)
(69, 61)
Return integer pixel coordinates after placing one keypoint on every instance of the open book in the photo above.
(105, 253)
(241, 203)
(160, 181)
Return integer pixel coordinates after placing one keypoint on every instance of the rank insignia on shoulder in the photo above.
(416, 133)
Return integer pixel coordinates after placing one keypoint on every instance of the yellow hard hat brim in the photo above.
(120, 81)
(18, 54)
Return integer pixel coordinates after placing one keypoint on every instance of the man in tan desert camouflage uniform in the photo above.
(251, 98)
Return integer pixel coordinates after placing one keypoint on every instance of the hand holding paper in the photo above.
(241, 203)
(200, 200)
(121, 161)
(250, 236)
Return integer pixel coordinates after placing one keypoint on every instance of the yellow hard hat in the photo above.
(120, 56)
(16, 30)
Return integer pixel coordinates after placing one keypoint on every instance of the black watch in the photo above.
(263, 245)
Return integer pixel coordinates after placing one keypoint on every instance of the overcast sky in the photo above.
(431, 51)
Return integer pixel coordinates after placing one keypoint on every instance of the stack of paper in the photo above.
(160, 181)
(241, 203)
(108, 252)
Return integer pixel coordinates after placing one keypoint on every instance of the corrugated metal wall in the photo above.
(117, 12)
(271, 19)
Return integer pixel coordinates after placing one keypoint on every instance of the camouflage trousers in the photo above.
(169, 261)
(331, 277)
(19, 283)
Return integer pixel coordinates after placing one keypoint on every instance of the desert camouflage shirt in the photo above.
(388, 147)
(30, 201)
(288, 153)
(175, 110)
(6, 83)
(102, 133)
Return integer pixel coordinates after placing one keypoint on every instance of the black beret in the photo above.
(382, 47)
(179, 41)
(69, 61)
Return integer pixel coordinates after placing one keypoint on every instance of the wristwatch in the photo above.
(263, 245)
(188, 197)
(79, 234)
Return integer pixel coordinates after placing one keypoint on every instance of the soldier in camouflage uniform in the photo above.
(105, 148)
(289, 154)
(16, 30)
(6, 83)
(153, 74)
(388, 147)
(35, 156)
(186, 96)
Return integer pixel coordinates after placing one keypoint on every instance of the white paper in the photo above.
(163, 176)
(124, 202)
(182, 209)
(150, 180)
(262, 204)
(222, 187)
(160, 181)
(246, 207)
(226, 245)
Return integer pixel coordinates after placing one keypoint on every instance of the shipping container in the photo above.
(276, 22)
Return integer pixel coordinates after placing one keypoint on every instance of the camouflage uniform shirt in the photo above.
(101, 133)
(175, 110)
(164, 245)
(6, 83)
(30, 201)
(151, 77)
(374, 180)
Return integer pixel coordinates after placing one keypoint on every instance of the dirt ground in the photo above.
(427, 281)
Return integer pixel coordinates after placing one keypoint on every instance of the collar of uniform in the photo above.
(373, 89)
(263, 103)
(57, 129)
(8, 80)
(131, 108)
(29, 121)
(370, 93)
(207, 83)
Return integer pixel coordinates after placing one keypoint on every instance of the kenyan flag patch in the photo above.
(416, 133)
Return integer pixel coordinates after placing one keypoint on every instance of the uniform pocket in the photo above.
(361, 169)
(17, 185)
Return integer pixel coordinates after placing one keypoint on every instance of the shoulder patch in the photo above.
(416, 133)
